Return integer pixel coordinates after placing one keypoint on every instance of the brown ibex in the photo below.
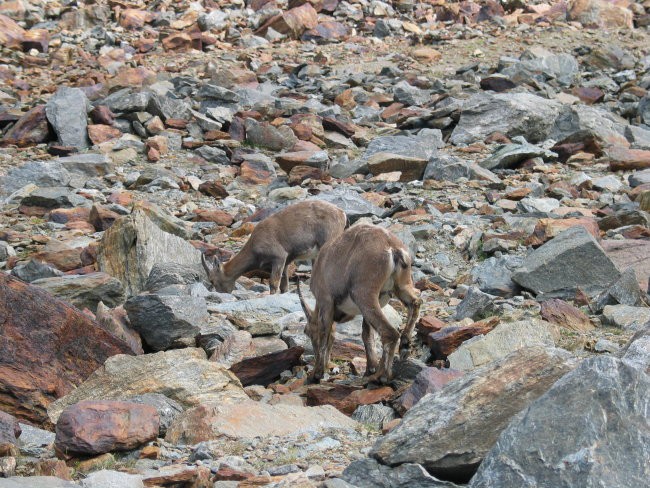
(356, 274)
(295, 232)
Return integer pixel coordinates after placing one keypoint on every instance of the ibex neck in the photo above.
(238, 264)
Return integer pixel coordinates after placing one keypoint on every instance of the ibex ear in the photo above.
(206, 265)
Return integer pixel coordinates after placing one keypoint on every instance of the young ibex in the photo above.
(355, 274)
(295, 232)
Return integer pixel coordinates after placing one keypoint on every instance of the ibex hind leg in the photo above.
(322, 335)
(277, 267)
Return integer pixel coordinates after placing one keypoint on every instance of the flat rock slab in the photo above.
(630, 253)
(501, 341)
(97, 427)
(263, 370)
(85, 291)
(368, 473)
(184, 375)
(36, 482)
(602, 440)
(48, 348)
(570, 261)
(626, 317)
(106, 478)
(66, 111)
(450, 432)
(248, 419)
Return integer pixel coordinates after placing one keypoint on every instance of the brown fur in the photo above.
(355, 274)
(295, 232)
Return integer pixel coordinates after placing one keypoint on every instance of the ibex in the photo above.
(295, 232)
(355, 274)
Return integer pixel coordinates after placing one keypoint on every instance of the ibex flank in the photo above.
(295, 232)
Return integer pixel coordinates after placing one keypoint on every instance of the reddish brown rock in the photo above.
(447, 340)
(347, 351)
(179, 41)
(178, 475)
(428, 324)
(9, 433)
(293, 22)
(213, 189)
(38, 39)
(630, 253)
(101, 114)
(565, 315)
(131, 78)
(298, 174)
(219, 217)
(600, 14)
(326, 31)
(53, 467)
(99, 426)
(428, 380)
(135, 19)
(546, 229)
(624, 159)
(263, 370)
(48, 348)
(589, 94)
(99, 133)
(31, 129)
(255, 173)
(65, 215)
(287, 161)
(102, 218)
(346, 398)
(116, 322)
(11, 34)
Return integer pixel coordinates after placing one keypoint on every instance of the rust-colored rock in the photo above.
(293, 22)
(255, 173)
(63, 259)
(178, 475)
(263, 370)
(600, 14)
(179, 41)
(99, 133)
(624, 159)
(326, 31)
(219, 217)
(9, 433)
(428, 324)
(566, 315)
(213, 189)
(102, 218)
(298, 174)
(48, 348)
(135, 19)
(428, 380)
(38, 39)
(547, 229)
(29, 130)
(346, 398)
(11, 34)
(65, 215)
(53, 467)
(447, 340)
(99, 426)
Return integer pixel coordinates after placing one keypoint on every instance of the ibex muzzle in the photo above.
(356, 273)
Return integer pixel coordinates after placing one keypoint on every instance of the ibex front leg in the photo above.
(389, 340)
(409, 296)
(368, 336)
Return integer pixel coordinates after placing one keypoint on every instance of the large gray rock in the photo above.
(184, 375)
(449, 432)
(167, 408)
(351, 203)
(590, 429)
(536, 66)
(166, 321)
(374, 414)
(577, 123)
(267, 136)
(626, 317)
(476, 305)
(499, 342)
(35, 270)
(112, 479)
(39, 173)
(85, 291)
(637, 350)
(166, 274)
(133, 244)
(494, 275)
(67, 112)
(624, 291)
(54, 197)
(513, 114)
(510, 155)
(368, 473)
(167, 107)
(127, 101)
(571, 260)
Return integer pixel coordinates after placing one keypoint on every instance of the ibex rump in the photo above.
(295, 232)
(355, 274)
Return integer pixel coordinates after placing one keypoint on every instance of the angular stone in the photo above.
(546, 229)
(39, 173)
(29, 130)
(9, 433)
(624, 291)
(346, 398)
(476, 305)
(11, 34)
(630, 253)
(429, 380)
(248, 419)
(410, 168)
(116, 322)
(293, 22)
(501, 341)
(178, 475)
(35, 270)
(354, 206)
(565, 315)
(234, 349)
(184, 375)
(368, 473)
(106, 478)
(601, 441)
(166, 321)
(269, 137)
(375, 415)
(263, 370)
(96, 427)
(513, 114)
(54, 197)
(637, 350)
(570, 261)
(600, 14)
(510, 155)
(167, 274)
(626, 317)
(134, 244)
(167, 408)
(99, 133)
(85, 291)
(49, 348)
(315, 159)
(447, 340)
(67, 113)
(450, 432)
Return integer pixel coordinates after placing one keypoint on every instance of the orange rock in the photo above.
(427, 54)
(134, 19)
(566, 315)
(180, 41)
(346, 398)
(31, 129)
(38, 39)
(11, 34)
(217, 216)
(53, 467)
(99, 133)
(64, 215)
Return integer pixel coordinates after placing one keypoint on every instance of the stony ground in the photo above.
(507, 144)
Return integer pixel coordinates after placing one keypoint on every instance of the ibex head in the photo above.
(218, 278)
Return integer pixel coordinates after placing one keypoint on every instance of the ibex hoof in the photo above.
(312, 380)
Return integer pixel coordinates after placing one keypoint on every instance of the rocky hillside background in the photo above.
(507, 144)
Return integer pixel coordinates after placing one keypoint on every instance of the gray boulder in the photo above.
(167, 408)
(163, 275)
(125, 100)
(112, 479)
(351, 203)
(374, 414)
(476, 305)
(494, 275)
(571, 260)
(449, 432)
(626, 317)
(368, 473)
(513, 114)
(35, 270)
(85, 291)
(55, 197)
(166, 321)
(510, 155)
(39, 173)
(590, 429)
(167, 107)
(67, 112)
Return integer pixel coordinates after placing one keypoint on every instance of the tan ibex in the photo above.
(295, 232)
(356, 274)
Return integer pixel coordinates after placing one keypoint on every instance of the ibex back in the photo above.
(355, 274)
(295, 232)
